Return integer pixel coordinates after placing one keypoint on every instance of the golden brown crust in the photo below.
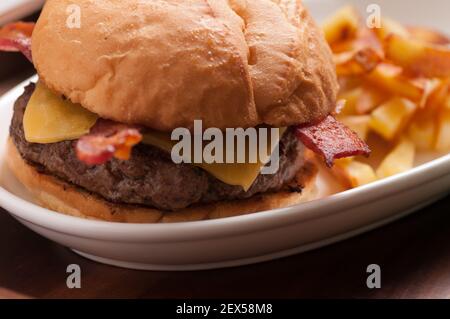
(164, 64)
(62, 197)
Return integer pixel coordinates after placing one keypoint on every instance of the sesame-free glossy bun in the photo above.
(164, 64)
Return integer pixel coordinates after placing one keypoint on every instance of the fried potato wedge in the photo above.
(424, 128)
(388, 27)
(436, 98)
(417, 57)
(358, 62)
(422, 131)
(443, 130)
(351, 98)
(427, 35)
(342, 26)
(389, 77)
(395, 80)
(399, 160)
(353, 173)
(369, 99)
(362, 100)
(363, 54)
(389, 119)
(434, 92)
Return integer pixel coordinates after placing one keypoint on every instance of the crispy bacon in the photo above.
(16, 37)
(106, 140)
(328, 138)
(332, 140)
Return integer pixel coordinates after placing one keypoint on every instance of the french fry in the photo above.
(362, 100)
(367, 38)
(388, 27)
(357, 123)
(389, 78)
(418, 58)
(396, 83)
(443, 130)
(437, 96)
(428, 35)
(434, 91)
(389, 119)
(347, 83)
(362, 55)
(399, 160)
(358, 62)
(343, 25)
(370, 98)
(354, 173)
(351, 97)
(343, 46)
(422, 131)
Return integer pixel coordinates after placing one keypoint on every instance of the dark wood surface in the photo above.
(414, 255)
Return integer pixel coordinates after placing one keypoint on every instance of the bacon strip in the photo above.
(16, 37)
(106, 140)
(332, 140)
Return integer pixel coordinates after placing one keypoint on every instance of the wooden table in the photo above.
(414, 255)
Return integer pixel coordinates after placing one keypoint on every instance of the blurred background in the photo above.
(13, 67)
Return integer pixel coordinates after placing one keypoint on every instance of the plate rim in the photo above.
(302, 248)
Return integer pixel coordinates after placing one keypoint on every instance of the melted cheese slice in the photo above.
(49, 118)
(237, 174)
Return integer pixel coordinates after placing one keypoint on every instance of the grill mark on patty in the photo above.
(150, 177)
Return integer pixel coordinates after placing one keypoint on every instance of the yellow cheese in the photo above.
(50, 119)
(238, 174)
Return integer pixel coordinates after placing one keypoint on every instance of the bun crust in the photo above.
(65, 198)
(164, 64)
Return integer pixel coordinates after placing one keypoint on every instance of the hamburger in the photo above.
(92, 137)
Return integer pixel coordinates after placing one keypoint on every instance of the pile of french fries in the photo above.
(395, 81)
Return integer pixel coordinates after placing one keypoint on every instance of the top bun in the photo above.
(164, 64)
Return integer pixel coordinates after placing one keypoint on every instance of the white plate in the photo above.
(238, 240)
(11, 10)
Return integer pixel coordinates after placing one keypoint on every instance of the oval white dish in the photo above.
(236, 240)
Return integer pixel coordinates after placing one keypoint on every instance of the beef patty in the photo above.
(150, 177)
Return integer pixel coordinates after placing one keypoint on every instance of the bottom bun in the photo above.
(55, 194)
